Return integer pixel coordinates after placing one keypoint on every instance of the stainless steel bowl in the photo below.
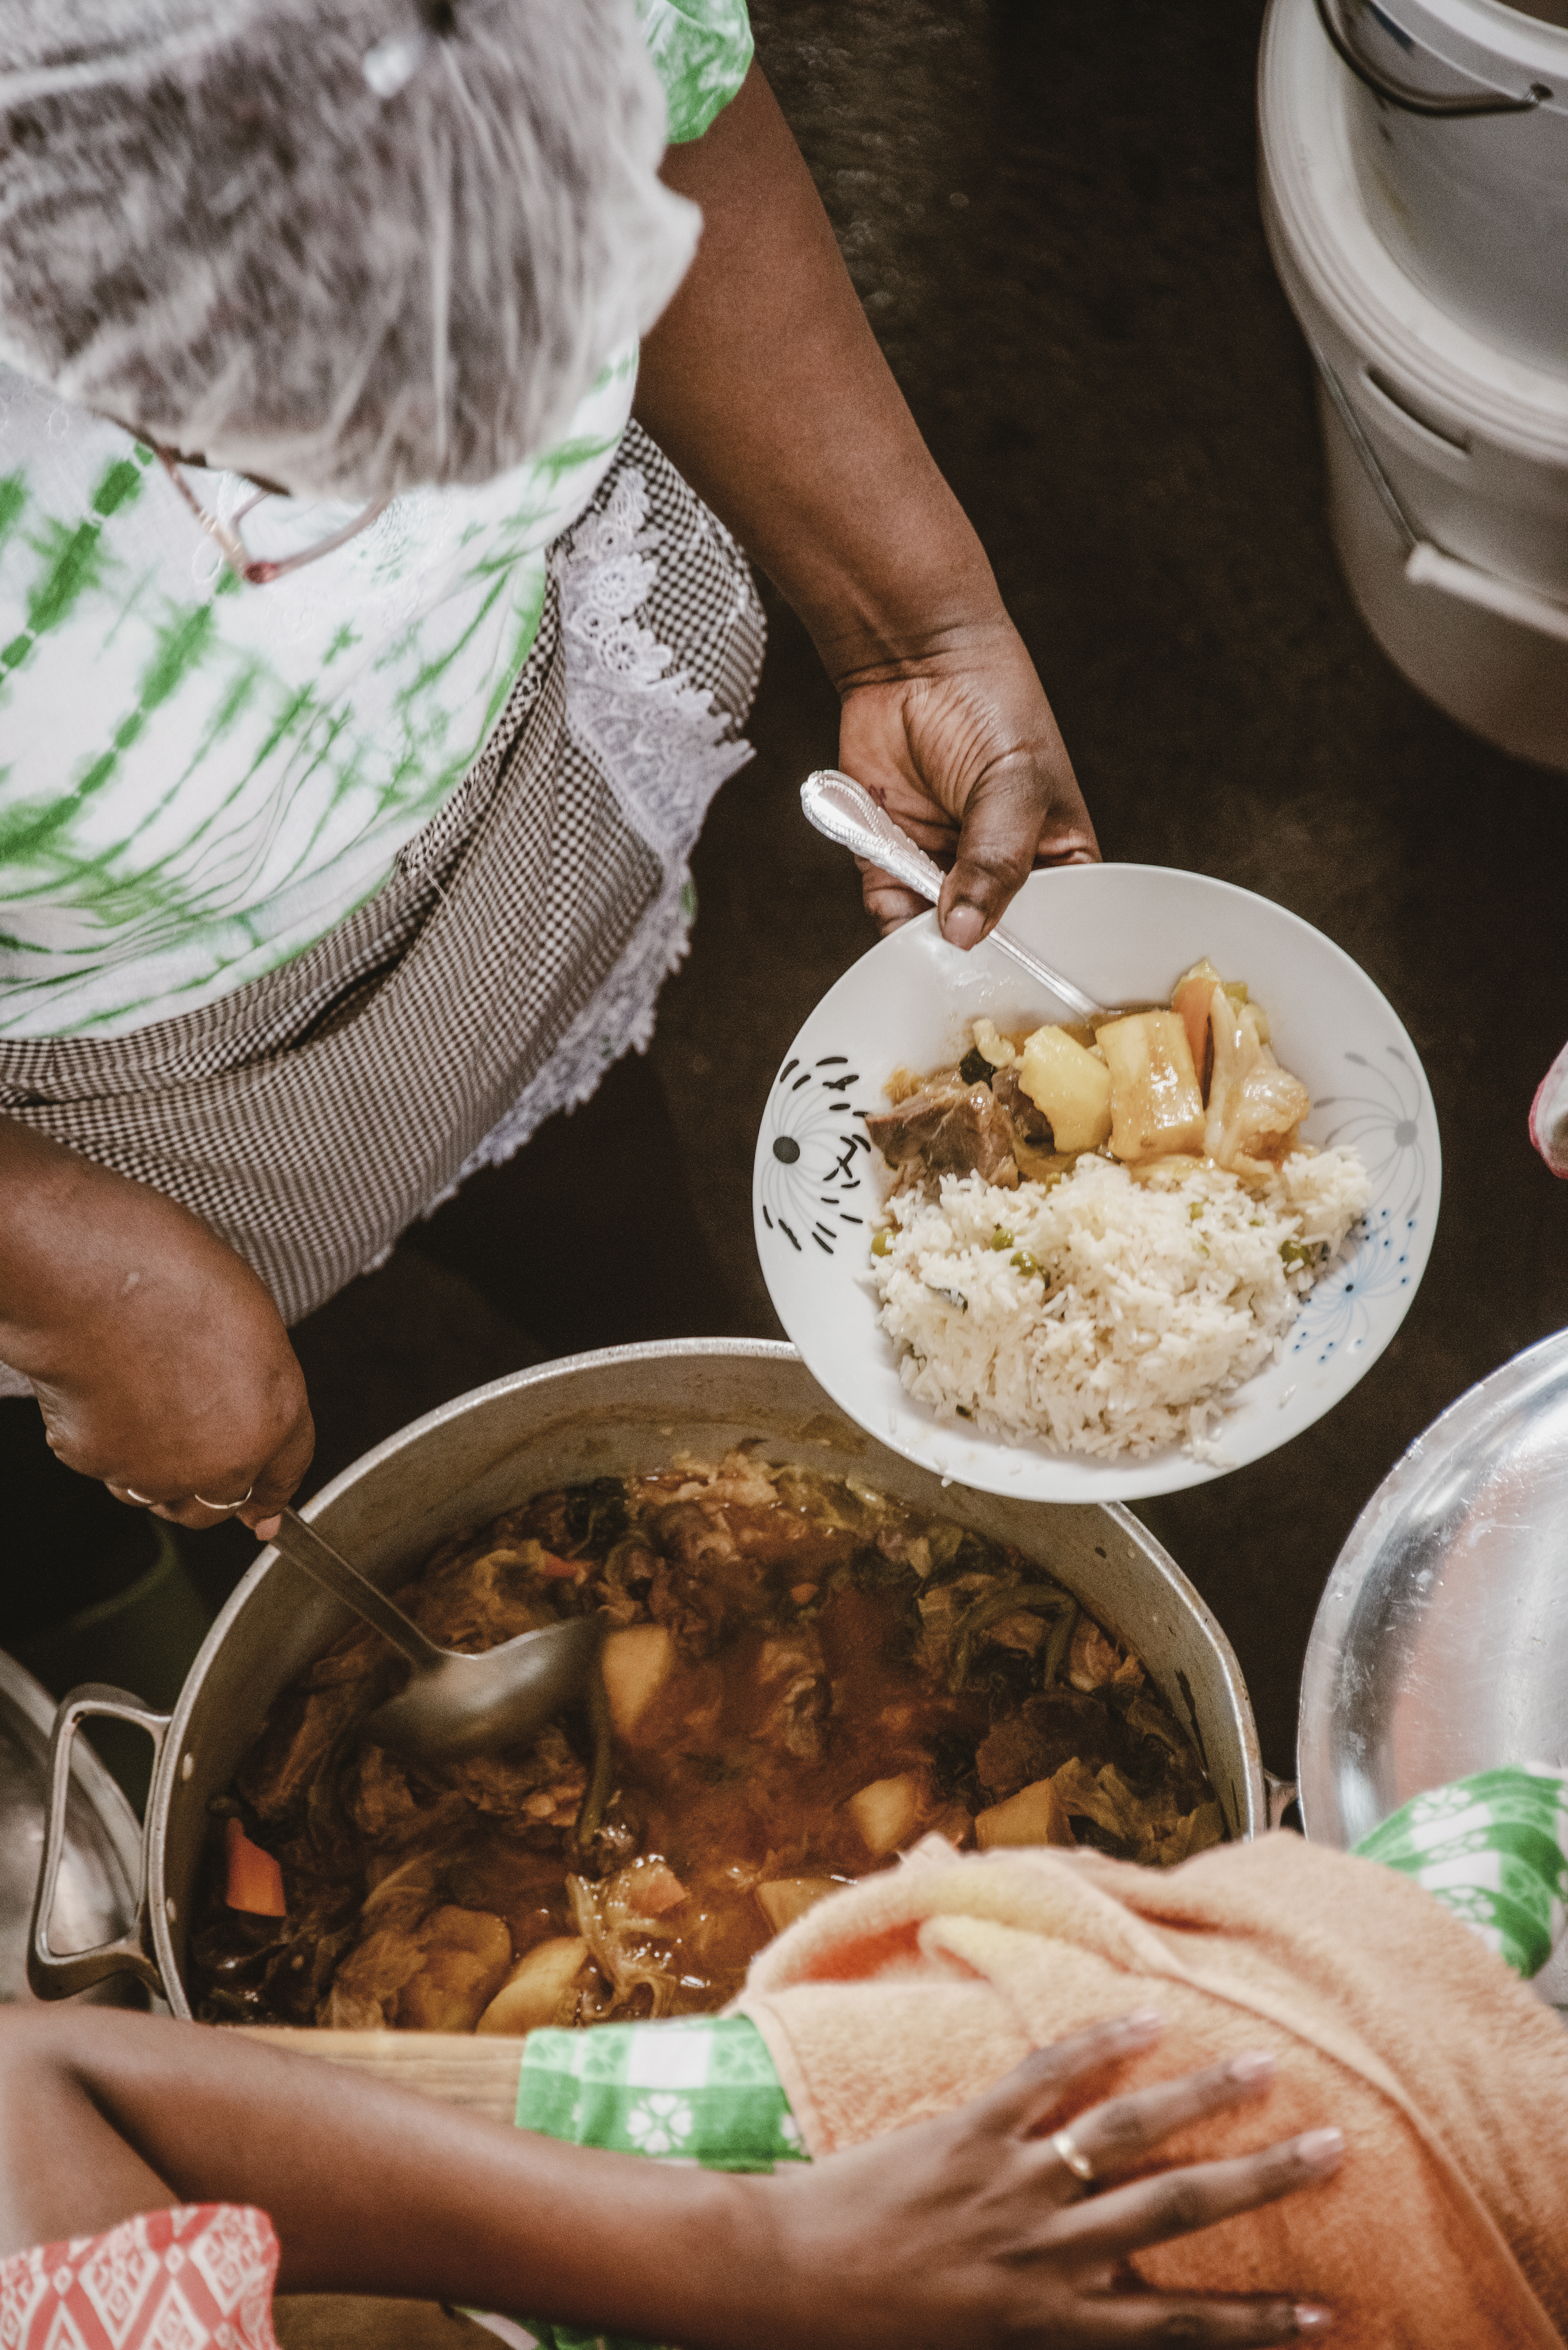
(1440, 1645)
(626, 1409)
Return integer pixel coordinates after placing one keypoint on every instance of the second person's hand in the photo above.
(966, 2232)
(972, 2230)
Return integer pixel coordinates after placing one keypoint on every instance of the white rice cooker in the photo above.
(1458, 115)
(1446, 451)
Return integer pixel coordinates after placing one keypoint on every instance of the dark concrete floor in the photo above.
(1050, 211)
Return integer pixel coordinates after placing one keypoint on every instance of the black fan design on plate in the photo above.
(816, 1155)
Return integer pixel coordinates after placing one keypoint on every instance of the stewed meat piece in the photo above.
(1029, 1123)
(1049, 1728)
(948, 1129)
(792, 1676)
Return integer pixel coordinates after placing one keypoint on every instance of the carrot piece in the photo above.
(655, 1889)
(256, 1880)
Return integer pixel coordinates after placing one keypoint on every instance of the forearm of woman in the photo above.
(765, 383)
(158, 1358)
(951, 2234)
(72, 1241)
(370, 2188)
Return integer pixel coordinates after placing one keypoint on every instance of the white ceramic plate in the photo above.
(1124, 932)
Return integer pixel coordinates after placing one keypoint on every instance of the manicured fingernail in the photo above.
(1252, 2065)
(1311, 2319)
(963, 926)
(1320, 2149)
(1143, 2024)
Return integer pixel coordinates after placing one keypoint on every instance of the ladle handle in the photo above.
(305, 1548)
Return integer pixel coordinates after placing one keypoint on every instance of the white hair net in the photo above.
(345, 244)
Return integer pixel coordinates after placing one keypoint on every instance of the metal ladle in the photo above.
(844, 811)
(452, 1705)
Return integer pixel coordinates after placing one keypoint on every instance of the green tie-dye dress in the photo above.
(199, 779)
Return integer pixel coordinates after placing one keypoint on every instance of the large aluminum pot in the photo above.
(626, 1409)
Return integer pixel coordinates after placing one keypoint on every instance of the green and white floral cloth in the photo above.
(698, 2089)
(198, 780)
(1494, 1849)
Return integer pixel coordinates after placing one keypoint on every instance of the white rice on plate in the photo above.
(1154, 1296)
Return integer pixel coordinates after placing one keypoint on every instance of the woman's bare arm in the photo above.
(959, 2234)
(159, 1359)
(765, 383)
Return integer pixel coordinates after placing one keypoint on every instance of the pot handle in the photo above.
(1281, 1794)
(1420, 102)
(56, 1975)
(1427, 566)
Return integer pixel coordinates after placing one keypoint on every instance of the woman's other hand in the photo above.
(765, 383)
(961, 750)
(973, 2230)
(158, 1358)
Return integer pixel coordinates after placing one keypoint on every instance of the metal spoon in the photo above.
(452, 1705)
(846, 812)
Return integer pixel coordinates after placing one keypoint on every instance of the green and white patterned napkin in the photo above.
(697, 2089)
(1493, 1849)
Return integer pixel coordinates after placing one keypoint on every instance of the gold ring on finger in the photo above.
(1065, 2145)
(223, 1507)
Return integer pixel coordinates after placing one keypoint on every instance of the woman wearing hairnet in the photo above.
(366, 669)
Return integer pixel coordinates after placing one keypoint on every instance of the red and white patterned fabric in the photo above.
(199, 2278)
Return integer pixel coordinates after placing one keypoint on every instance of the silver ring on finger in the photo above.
(1066, 2146)
(223, 1507)
(146, 1499)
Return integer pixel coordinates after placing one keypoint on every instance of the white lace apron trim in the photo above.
(664, 751)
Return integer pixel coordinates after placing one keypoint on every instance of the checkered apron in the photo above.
(515, 952)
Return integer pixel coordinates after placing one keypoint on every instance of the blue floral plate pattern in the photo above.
(1124, 932)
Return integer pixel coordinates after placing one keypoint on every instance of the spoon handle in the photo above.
(305, 1548)
(844, 812)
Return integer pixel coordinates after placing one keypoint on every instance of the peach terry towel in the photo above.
(1447, 2222)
